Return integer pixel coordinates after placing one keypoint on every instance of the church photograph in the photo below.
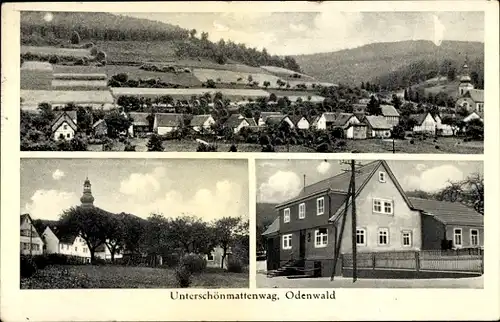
(134, 223)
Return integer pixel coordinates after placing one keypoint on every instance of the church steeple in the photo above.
(87, 199)
(465, 80)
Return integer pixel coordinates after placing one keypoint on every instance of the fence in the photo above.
(461, 260)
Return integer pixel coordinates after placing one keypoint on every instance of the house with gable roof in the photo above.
(330, 120)
(199, 122)
(305, 234)
(424, 123)
(472, 100)
(390, 114)
(300, 122)
(64, 125)
(377, 126)
(58, 242)
(236, 122)
(31, 240)
(262, 121)
(140, 123)
(167, 122)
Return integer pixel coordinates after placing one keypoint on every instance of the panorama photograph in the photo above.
(315, 81)
(370, 224)
(134, 223)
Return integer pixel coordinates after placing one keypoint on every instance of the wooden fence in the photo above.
(460, 260)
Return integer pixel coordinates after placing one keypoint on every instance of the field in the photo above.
(31, 98)
(59, 84)
(49, 51)
(141, 51)
(89, 276)
(283, 72)
(227, 76)
(182, 79)
(187, 93)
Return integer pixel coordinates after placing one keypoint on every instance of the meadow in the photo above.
(51, 51)
(187, 93)
(31, 98)
(91, 276)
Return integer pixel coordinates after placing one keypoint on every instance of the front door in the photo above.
(302, 244)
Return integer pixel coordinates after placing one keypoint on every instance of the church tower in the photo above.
(87, 199)
(465, 80)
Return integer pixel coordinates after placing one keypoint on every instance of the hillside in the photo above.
(266, 213)
(381, 62)
(167, 41)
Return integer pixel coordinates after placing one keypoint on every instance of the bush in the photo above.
(171, 260)
(206, 148)
(233, 148)
(183, 276)
(437, 147)
(234, 265)
(412, 142)
(57, 259)
(93, 51)
(54, 60)
(194, 263)
(28, 267)
(41, 261)
(323, 147)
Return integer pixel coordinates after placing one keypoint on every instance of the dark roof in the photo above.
(234, 120)
(449, 213)
(338, 183)
(251, 121)
(99, 122)
(389, 110)
(275, 119)
(377, 122)
(24, 217)
(338, 119)
(139, 118)
(296, 118)
(273, 229)
(199, 120)
(169, 119)
(477, 95)
(65, 116)
(420, 118)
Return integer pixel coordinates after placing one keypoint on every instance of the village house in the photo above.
(65, 244)
(424, 123)
(31, 241)
(356, 131)
(167, 122)
(199, 122)
(359, 110)
(473, 116)
(472, 100)
(330, 120)
(277, 120)
(300, 122)
(100, 128)
(449, 225)
(236, 122)
(305, 234)
(140, 123)
(443, 129)
(377, 126)
(214, 259)
(390, 114)
(64, 126)
(264, 115)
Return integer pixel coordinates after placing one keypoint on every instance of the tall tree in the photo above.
(226, 229)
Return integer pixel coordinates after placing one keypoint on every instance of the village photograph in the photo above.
(134, 223)
(318, 81)
(369, 224)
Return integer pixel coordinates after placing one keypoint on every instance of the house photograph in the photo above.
(378, 223)
(134, 223)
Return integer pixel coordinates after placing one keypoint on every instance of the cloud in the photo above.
(298, 28)
(434, 179)
(280, 186)
(420, 167)
(439, 30)
(58, 174)
(220, 27)
(323, 167)
(209, 203)
(143, 184)
(49, 204)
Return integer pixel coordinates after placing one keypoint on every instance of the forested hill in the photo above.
(405, 61)
(99, 27)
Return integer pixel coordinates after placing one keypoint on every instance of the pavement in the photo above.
(346, 282)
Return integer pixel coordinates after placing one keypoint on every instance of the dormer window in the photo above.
(381, 176)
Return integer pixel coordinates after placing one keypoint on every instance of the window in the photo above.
(406, 237)
(381, 176)
(210, 257)
(474, 237)
(361, 237)
(383, 206)
(287, 241)
(68, 135)
(383, 236)
(457, 237)
(321, 238)
(65, 126)
(302, 211)
(286, 215)
(320, 206)
(76, 249)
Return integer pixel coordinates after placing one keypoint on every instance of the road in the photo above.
(344, 282)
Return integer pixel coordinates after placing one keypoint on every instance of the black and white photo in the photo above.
(134, 223)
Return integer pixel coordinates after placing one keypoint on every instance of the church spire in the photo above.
(87, 199)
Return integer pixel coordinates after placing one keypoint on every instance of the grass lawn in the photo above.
(446, 145)
(89, 276)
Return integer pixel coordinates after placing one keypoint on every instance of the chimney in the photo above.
(304, 188)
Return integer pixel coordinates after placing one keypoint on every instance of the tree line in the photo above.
(157, 235)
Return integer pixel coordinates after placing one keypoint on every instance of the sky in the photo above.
(293, 33)
(280, 180)
(209, 189)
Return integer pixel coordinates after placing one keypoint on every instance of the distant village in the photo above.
(69, 111)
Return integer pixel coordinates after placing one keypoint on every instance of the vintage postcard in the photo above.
(285, 161)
